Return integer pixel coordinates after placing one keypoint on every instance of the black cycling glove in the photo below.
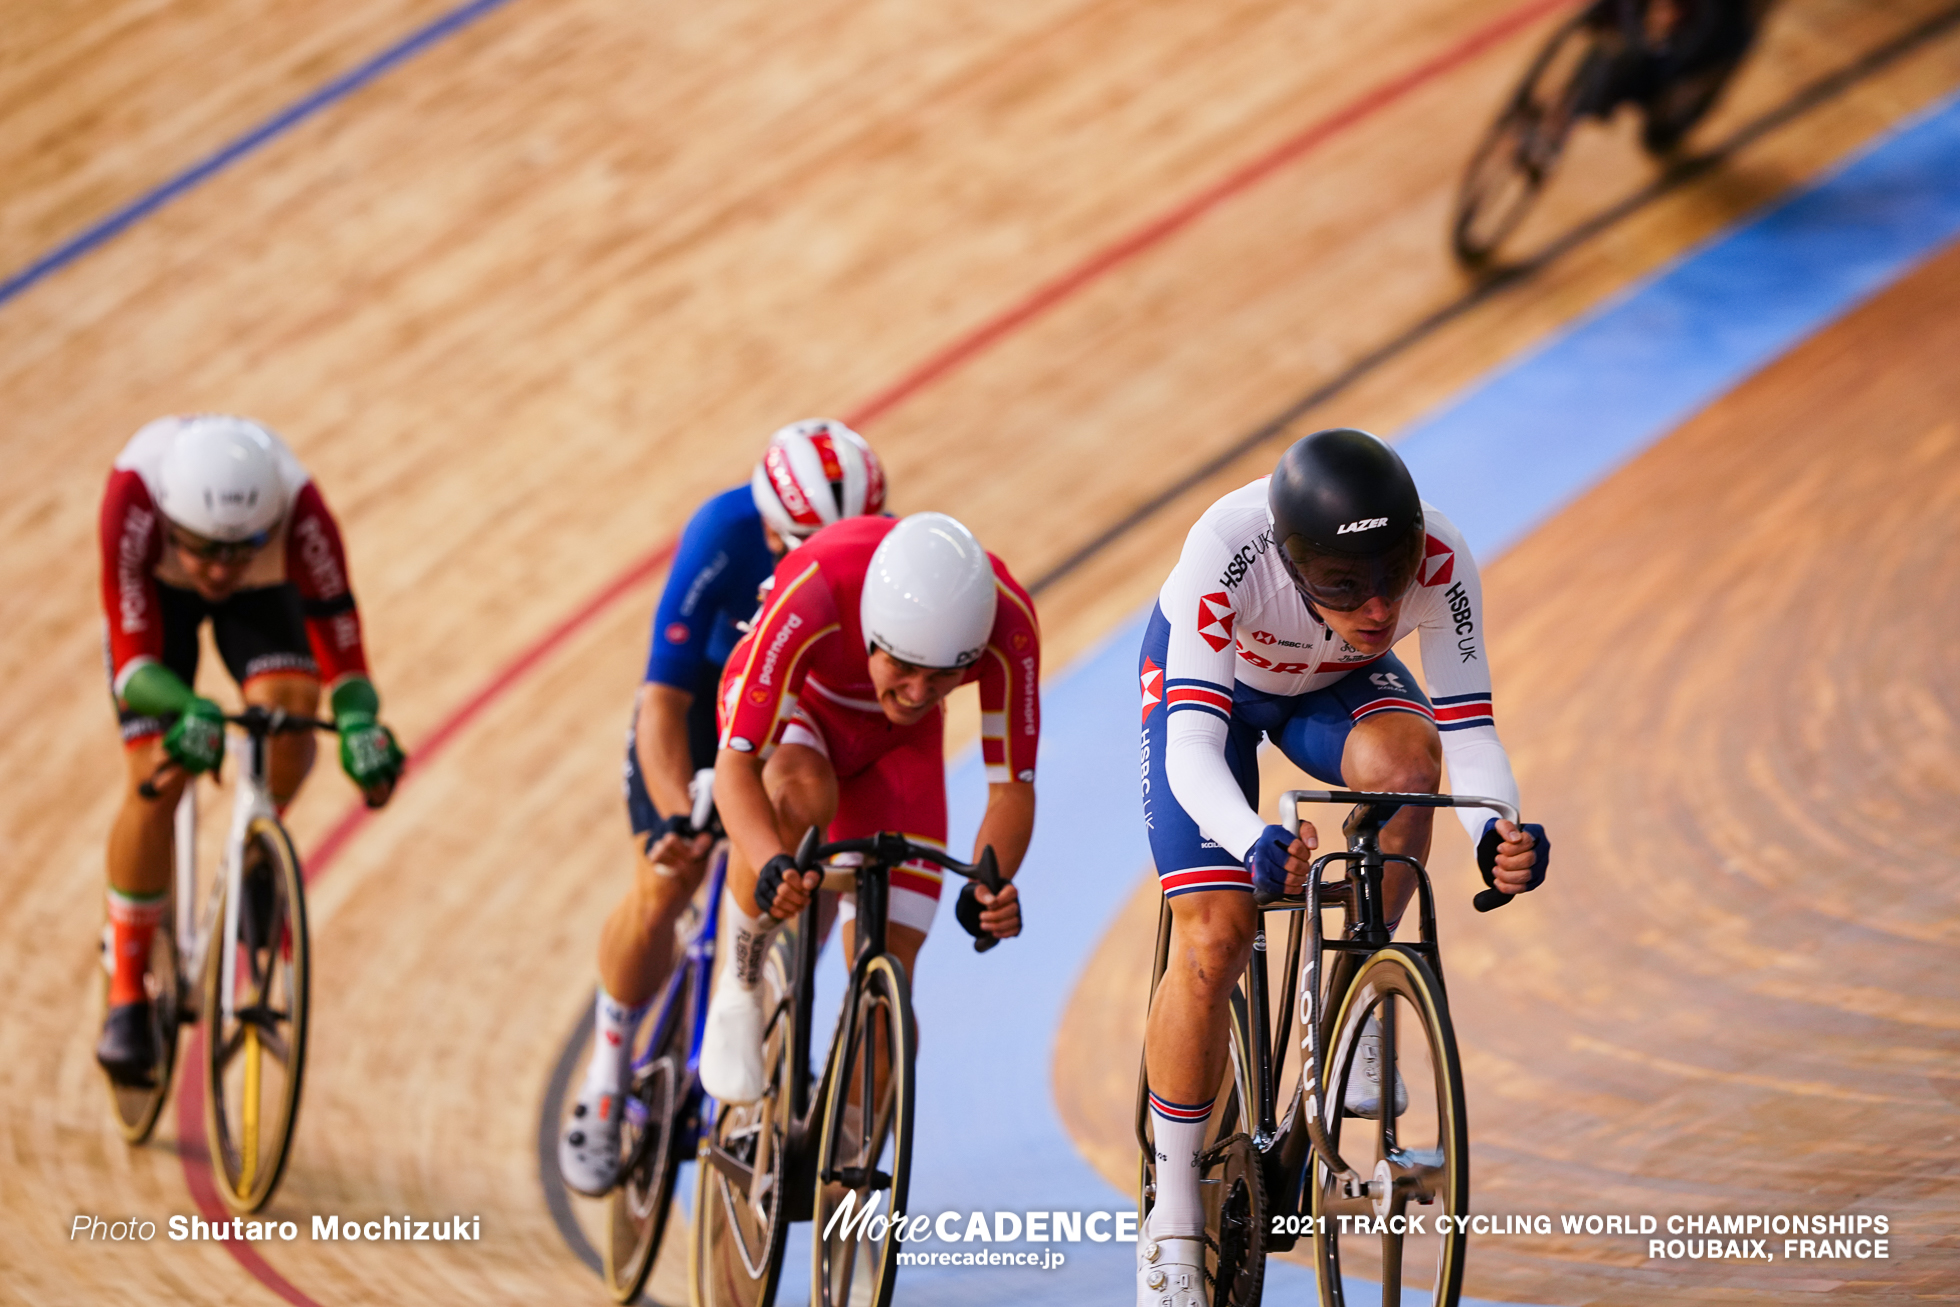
(1487, 852)
(771, 879)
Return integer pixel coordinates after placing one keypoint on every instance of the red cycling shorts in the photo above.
(888, 778)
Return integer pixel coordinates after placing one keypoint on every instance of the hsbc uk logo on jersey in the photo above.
(1215, 620)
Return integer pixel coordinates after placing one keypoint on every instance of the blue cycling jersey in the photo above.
(722, 560)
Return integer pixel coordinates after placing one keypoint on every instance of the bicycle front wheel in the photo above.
(1395, 1092)
(864, 1145)
(741, 1210)
(658, 1098)
(1522, 147)
(255, 1048)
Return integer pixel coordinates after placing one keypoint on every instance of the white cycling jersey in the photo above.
(1235, 617)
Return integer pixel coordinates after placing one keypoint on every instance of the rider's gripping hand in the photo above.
(196, 741)
(986, 912)
(780, 892)
(1514, 858)
(677, 849)
(1280, 861)
(368, 752)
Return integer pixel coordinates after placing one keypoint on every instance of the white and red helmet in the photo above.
(816, 472)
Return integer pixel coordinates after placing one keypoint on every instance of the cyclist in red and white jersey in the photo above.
(831, 717)
(1278, 623)
(812, 473)
(211, 517)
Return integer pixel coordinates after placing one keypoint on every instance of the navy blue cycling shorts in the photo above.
(1310, 729)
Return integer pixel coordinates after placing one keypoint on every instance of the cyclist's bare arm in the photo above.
(1008, 826)
(660, 738)
(666, 766)
(753, 825)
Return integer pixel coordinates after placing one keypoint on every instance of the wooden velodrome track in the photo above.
(523, 301)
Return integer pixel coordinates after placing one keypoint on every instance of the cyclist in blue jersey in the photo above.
(813, 473)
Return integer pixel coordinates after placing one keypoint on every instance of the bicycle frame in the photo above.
(1361, 896)
(251, 800)
(697, 966)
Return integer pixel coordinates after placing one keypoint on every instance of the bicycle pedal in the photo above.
(857, 1177)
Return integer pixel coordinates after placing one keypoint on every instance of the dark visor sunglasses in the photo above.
(218, 551)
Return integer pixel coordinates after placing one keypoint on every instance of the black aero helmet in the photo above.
(1347, 522)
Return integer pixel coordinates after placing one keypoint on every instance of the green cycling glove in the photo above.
(196, 740)
(368, 752)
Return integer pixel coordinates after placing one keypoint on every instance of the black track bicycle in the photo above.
(1380, 1197)
(1670, 59)
(837, 1150)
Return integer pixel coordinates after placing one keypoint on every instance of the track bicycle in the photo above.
(837, 1150)
(1345, 1183)
(1669, 58)
(249, 948)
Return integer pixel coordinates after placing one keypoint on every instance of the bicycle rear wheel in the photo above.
(741, 1204)
(255, 1055)
(864, 1145)
(1231, 1179)
(1415, 1159)
(1519, 152)
(659, 1098)
(138, 1106)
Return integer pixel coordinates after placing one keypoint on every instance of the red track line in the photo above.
(190, 1101)
(1165, 225)
(357, 816)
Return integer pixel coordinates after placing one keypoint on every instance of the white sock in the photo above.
(1179, 1132)
(747, 944)
(613, 1024)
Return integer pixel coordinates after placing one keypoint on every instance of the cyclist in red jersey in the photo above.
(831, 717)
(211, 517)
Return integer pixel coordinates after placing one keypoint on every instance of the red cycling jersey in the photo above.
(807, 640)
(307, 551)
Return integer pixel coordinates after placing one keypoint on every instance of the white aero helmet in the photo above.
(220, 479)
(814, 473)
(929, 593)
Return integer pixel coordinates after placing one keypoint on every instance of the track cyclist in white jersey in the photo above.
(1278, 622)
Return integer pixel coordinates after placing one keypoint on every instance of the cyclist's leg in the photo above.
(139, 851)
(636, 957)
(1374, 730)
(1401, 752)
(261, 635)
(636, 947)
(139, 840)
(1210, 897)
(802, 789)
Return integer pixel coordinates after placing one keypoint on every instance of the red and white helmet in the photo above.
(816, 472)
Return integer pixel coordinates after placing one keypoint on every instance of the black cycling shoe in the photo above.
(128, 1047)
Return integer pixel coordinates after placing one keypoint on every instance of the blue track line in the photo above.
(332, 93)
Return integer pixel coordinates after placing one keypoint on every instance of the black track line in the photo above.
(1510, 277)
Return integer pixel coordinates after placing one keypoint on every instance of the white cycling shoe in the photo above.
(731, 1045)
(1364, 1086)
(588, 1147)
(1171, 1271)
